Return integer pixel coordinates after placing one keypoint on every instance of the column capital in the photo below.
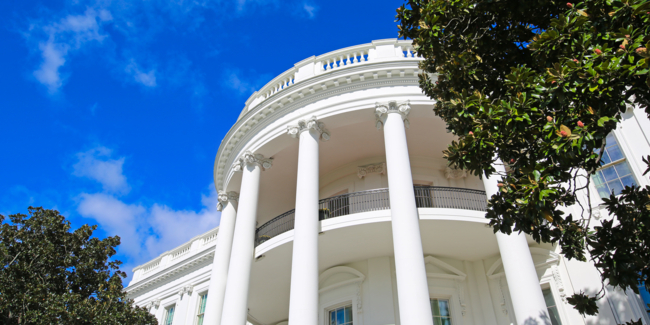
(225, 198)
(383, 109)
(304, 125)
(249, 158)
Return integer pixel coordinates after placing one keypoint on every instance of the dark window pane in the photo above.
(348, 314)
(435, 309)
(548, 297)
(555, 317)
(444, 307)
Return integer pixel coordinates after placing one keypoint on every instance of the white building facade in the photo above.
(338, 209)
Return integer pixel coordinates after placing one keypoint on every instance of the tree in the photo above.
(53, 276)
(539, 85)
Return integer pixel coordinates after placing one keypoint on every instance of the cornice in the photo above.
(202, 258)
(272, 108)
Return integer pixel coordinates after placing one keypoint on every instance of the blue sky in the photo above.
(112, 111)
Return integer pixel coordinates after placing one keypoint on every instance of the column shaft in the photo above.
(303, 306)
(235, 307)
(220, 263)
(412, 287)
(523, 284)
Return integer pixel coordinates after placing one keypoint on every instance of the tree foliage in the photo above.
(51, 275)
(539, 85)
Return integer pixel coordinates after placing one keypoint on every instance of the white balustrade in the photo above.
(339, 59)
(152, 266)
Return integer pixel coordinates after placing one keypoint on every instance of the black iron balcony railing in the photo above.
(373, 200)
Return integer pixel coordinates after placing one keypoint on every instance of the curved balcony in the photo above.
(378, 199)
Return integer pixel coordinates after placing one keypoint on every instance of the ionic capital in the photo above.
(310, 124)
(251, 159)
(225, 198)
(383, 109)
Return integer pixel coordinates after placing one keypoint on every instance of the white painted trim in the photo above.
(459, 275)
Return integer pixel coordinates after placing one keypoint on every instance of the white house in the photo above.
(338, 208)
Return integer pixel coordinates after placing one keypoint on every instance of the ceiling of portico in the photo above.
(354, 138)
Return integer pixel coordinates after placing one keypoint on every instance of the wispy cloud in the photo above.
(60, 38)
(310, 9)
(147, 78)
(97, 164)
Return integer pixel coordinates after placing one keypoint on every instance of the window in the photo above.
(341, 316)
(552, 307)
(615, 173)
(201, 312)
(169, 315)
(440, 312)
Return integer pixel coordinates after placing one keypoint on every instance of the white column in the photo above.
(235, 307)
(217, 289)
(523, 284)
(303, 298)
(412, 287)
(180, 310)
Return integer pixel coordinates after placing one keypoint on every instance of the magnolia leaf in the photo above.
(583, 13)
(547, 215)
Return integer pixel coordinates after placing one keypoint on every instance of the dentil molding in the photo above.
(310, 124)
(225, 197)
(250, 159)
(383, 109)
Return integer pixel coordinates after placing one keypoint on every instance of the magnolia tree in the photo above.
(51, 275)
(539, 85)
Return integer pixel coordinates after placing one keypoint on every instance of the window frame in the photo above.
(450, 302)
(331, 308)
(549, 283)
(197, 309)
(625, 159)
(166, 313)
(343, 301)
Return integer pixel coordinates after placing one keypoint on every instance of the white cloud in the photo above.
(147, 231)
(97, 165)
(63, 37)
(115, 218)
(147, 79)
(310, 9)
